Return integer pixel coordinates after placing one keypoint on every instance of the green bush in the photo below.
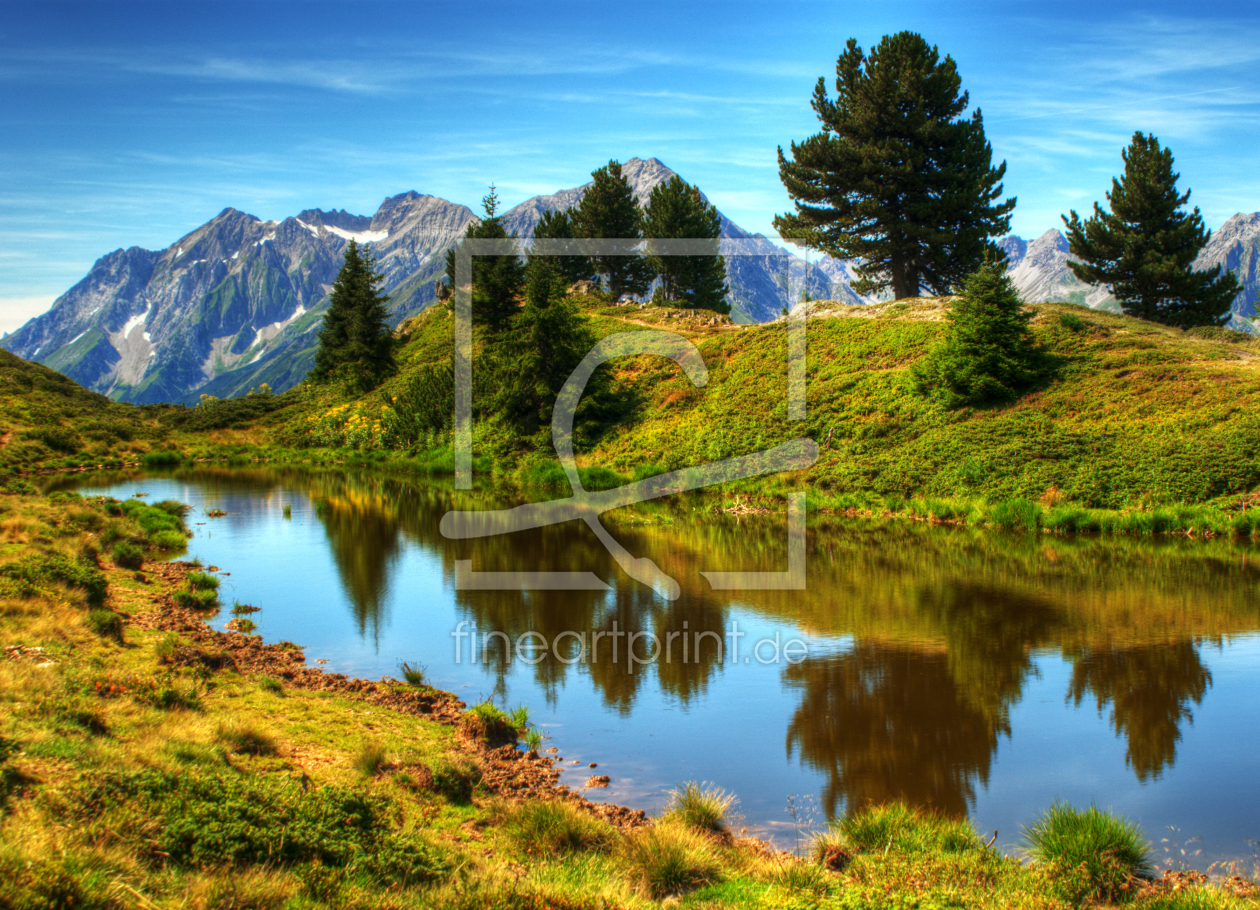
(553, 827)
(128, 555)
(1090, 854)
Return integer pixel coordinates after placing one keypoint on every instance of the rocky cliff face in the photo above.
(239, 301)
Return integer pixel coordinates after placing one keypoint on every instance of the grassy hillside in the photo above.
(1139, 415)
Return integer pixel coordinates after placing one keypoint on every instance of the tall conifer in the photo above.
(677, 210)
(609, 210)
(1143, 248)
(356, 343)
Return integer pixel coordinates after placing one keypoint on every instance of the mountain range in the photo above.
(239, 301)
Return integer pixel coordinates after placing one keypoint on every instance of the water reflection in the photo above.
(1149, 689)
(924, 640)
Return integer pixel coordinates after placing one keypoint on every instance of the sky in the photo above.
(132, 124)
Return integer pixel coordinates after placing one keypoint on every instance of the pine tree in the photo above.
(497, 281)
(989, 354)
(609, 210)
(531, 363)
(1143, 248)
(676, 210)
(896, 179)
(356, 344)
(559, 226)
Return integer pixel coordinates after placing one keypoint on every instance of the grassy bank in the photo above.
(1145, 429)
(148, 761)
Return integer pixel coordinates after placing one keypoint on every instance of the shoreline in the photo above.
(509, 772)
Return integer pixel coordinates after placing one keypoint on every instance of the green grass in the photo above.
(1089, 853)
(371, 758)
(699, 807)
(665, 859)
(412, 674)
(554, 827)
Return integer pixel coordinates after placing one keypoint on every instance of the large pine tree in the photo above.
(897, 178)
(609, 210)
(497, 281)
(356, 344)
(676, 211)
(1142, 249)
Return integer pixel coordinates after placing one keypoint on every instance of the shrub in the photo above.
(1071, 322)
(128, 555)
(553, 827)
(1090, 853)
(107, 624)
(667, 858)
(699, 807)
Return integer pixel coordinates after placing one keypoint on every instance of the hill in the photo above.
(1140, 413)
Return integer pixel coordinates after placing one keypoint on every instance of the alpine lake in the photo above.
(970, 672)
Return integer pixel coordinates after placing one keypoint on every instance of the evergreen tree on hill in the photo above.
(356, 344)
(1143, 248)
(559, 226)
(897, 178)
(989, 355)
(608, 210)
(497, 281)
(676, 210)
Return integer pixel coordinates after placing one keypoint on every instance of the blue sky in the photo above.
(131, 124)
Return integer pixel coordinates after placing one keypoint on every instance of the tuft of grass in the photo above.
(665, 859)
(519, 718)
(700, 807)
(128, 555)
(204, 599)
(371, 759)
(246, 739)
(203, 581)
(1090, 854)
(272, 685)
(166, 647)
(107, 624)
(1015, 515)
(899, 827)
(414, 675)
(168, 540)
(287, 510)
(533, 738)
(240, 609)
(554, 827)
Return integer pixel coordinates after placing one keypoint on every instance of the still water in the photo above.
(972, 673)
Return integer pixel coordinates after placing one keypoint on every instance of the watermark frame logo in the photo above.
(585, 505)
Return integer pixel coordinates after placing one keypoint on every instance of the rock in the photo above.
(603, 780)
